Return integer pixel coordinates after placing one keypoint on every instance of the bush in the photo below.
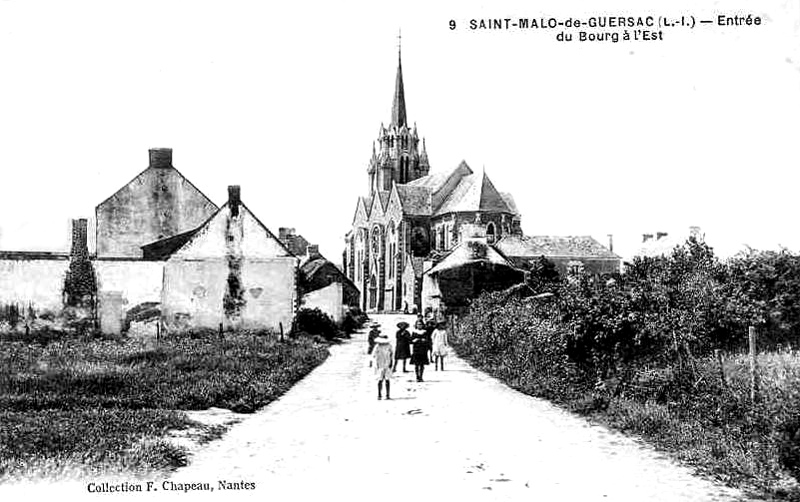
(608, 351)
(353, 320)
(315, 322)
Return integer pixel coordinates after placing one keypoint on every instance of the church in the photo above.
(411, 218)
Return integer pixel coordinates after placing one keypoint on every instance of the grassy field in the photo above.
(75, 406)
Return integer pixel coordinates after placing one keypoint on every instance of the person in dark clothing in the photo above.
(429, 327)
(419, 353)
(402, 346)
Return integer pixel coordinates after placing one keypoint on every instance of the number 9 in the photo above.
(452, 24)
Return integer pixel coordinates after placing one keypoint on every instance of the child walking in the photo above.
(384, 361)
(419, 353)
(402, 345)
(440, 346)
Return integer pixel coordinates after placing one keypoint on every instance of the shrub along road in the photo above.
(460, 433)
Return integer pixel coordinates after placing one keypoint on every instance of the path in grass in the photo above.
(458, 434)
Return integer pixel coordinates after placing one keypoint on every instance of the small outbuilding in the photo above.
(471, 268)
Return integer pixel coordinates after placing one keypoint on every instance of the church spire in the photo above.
(399, 102)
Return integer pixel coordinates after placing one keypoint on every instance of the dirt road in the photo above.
(460, 435)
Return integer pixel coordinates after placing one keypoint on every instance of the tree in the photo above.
(543, 276)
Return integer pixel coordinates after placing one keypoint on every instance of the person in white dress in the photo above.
(440, 346)
(383, 358)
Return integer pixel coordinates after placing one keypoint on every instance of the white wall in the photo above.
(35, 282)
(122, 285)
(194, 291)
(329, 299)
(138, 281)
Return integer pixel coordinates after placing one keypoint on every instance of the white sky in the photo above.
(286, 99)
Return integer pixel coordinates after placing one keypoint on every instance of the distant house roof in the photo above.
(663, 244)
(296, 244)
(163, 249)
(660, 247)
(318, 273)
(474, 192)
(311, 267)
(583, 246)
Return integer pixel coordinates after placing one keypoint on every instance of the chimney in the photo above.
(611, 242)
(234, 199)
(660, 235)
(80, 247)
(646, 237)
(284, 233)
(312, 251)
(161, 157)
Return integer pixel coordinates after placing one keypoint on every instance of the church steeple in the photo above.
(397, 159)
(399, 102)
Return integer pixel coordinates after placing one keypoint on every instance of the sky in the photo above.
(286, 99)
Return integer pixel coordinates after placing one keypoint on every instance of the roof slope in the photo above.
(468, 252)
(432, 182)
(163, 249)
(582, 246)
(510, 202)
(415, 200)
(474, 192)
(208, 240)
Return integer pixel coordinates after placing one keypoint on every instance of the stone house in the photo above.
(321, 284)
(568, 253)
(231, 272)
(664, 243)
(167, 258)
(158, 203)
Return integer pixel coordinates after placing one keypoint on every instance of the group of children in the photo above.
(425, 343)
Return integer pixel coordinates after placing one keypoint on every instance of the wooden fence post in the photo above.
(718, 357)
(751, 336)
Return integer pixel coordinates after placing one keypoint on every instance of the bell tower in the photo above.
(398, 158)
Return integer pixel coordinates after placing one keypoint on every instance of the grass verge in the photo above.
(695, 416)
(71, 405)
